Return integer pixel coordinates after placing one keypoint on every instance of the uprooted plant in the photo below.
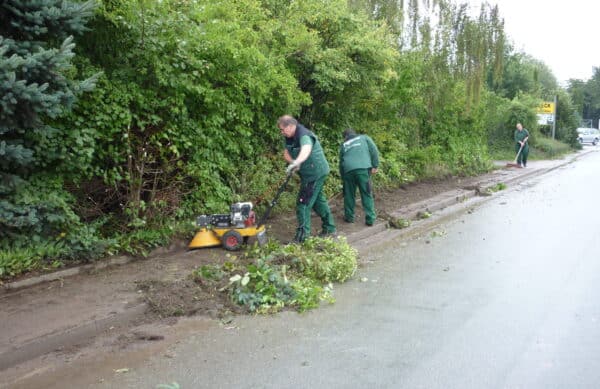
(263, 279)
(271, 278)
(395, 222)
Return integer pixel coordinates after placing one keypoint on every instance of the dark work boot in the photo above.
(328, 234)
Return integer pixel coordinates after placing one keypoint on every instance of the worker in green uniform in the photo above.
(304, 153)
(521, 137)
(359, 158)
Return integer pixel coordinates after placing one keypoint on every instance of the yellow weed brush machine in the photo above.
(233, 229)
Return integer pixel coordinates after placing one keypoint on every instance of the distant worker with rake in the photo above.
(304, 153)
(521, 145)
(359, 158)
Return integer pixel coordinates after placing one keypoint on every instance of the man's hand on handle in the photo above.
(292, 166)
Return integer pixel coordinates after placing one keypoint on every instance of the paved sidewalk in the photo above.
(43, 314)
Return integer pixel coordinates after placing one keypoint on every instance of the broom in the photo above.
(515, 164)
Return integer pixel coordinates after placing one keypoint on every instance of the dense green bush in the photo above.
(551, 148)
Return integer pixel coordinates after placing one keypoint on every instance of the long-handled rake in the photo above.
(514, 163)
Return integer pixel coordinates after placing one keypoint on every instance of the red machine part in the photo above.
(251, 220)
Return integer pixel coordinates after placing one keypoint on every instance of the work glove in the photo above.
(291, 167)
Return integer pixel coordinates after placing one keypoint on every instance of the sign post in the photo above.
(546, 113)
(554, 121)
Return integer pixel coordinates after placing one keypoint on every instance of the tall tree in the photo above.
(592, 91)
(586, 96)
(36, 49)
(566, 119)
(576, 89)
(525, 74)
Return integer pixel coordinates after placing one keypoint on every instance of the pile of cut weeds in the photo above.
(260, 280)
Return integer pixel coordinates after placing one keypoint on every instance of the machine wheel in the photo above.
(232, 240)
(595, 142)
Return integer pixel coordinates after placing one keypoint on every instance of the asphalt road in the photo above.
(506, 295)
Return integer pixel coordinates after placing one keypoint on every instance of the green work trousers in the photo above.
(522, 158)
(362, 179)
(311, 197)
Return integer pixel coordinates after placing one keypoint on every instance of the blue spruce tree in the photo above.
(36, 50)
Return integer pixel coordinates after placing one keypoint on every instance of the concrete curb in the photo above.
(120, 260)
(76, 335)
(101, 264)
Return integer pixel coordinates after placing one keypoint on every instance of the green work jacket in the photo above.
(520, 135)
(358, 152)
(316, 165)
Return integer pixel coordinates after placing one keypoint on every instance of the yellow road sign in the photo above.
(546, 107)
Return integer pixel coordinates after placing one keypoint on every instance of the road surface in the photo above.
(504, 295)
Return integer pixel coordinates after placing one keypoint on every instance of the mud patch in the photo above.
(187, 297)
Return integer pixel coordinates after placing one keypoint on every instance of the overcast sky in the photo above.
(565, 35)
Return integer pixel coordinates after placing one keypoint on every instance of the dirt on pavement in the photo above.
(175, 296)
(164, 280)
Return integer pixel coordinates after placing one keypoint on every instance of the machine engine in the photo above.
(240, 216)
(240, 213)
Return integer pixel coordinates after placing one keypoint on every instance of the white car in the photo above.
(588, 135)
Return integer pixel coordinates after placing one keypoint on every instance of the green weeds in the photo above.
(274, 277)
(16, 261)
(310, 293)
(209, 272)
(423, 215)
(548, 148)
(496, 188)
(263, 288)
(398, 222)
(325, 260)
